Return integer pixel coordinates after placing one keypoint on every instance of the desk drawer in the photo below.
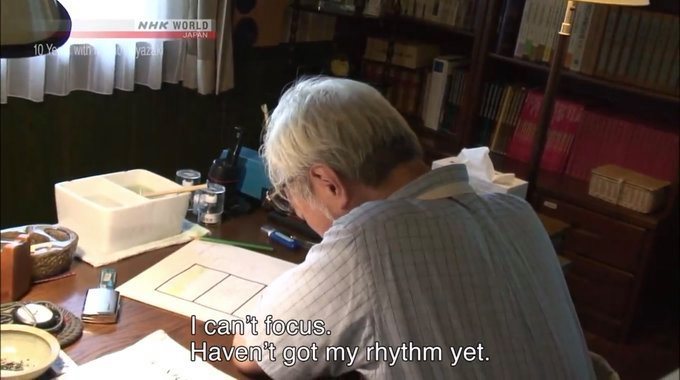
(597, 237)
(598, 324)
(598, 287)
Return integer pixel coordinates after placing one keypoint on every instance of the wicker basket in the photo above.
(627, 188)
(52, 248)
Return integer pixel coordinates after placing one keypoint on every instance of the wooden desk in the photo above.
(136, 319)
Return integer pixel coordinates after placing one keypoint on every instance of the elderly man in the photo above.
(417, 277)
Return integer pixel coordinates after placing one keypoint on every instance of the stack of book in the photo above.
(401, 86)
(579, 138)
(455, 13)
(443, 92)
(629, 45)
(605, 138)
(565, 123)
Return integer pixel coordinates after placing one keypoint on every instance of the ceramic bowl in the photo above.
(26, 352)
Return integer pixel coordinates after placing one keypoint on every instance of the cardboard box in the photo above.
(109, 214)
(627, 188)
(517, 186)
(409, 54)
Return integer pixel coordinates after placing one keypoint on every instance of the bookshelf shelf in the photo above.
(316, 9)
(433, 25)
(575, 191)
(389, 18)
(675, 100)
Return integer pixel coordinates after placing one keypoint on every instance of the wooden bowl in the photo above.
(52, 247)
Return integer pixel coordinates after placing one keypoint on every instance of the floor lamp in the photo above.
(546, 111)
(32, 27)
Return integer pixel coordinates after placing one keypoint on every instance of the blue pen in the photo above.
(280, 237)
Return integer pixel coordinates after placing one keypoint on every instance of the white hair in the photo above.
(345, 124)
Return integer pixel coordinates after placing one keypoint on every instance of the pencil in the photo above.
(242, 244)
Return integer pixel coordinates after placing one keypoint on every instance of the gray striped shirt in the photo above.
(456, 288)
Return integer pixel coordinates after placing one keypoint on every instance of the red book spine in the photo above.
(565, 122)
(521, 145)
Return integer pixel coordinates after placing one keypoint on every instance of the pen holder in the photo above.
(210, 204)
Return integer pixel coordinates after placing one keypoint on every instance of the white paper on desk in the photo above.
(208, 280)
(156, 356)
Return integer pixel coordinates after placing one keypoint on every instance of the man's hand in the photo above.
(248, 368)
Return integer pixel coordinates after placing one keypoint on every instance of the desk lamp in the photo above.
(32, 27)
(546, 111)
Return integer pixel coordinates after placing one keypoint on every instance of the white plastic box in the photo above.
(109, 214)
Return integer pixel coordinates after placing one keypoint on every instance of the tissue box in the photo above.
(109, 214)
(517, 187)
(627, 188)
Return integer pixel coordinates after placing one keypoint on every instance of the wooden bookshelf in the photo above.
(604, 83)
(433, 25)
(389, 18)
(613, 250)
(316, 9)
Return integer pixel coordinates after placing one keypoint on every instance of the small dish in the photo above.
(26, 352)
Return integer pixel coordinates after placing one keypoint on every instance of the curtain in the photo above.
(101, 65)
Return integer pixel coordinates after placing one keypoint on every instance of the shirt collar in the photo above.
(432, 179)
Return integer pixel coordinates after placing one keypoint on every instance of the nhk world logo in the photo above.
(165, 29)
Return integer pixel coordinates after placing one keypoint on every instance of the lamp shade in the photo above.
(618, 2)
(32, 27)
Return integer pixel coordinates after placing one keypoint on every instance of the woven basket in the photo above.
(627, 188)
(52, 247)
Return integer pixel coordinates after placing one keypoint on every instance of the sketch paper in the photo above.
(208, 280)
(156, 356)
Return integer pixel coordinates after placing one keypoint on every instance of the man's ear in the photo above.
(329, 187)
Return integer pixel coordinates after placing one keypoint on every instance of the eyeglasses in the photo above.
(278, 199)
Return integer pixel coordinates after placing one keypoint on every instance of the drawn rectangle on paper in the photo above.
(191, 283)
(230, 294)
(248, 307)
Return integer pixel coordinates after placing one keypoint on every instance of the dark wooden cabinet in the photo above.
(609, 265)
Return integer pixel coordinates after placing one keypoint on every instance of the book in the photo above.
(564, 125)
(638, 47)
(579, 34)
(521, 144)
(509, 122)
(509, 26)
(618, 40)
(593, 39)
(648, 49)
(541, 30)
(664, 80)
(500, 119)
(554, 16)
(627, 46)
(521, 49)
(442, 67)
(668, 22)
(492, 94)
(607, 40)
